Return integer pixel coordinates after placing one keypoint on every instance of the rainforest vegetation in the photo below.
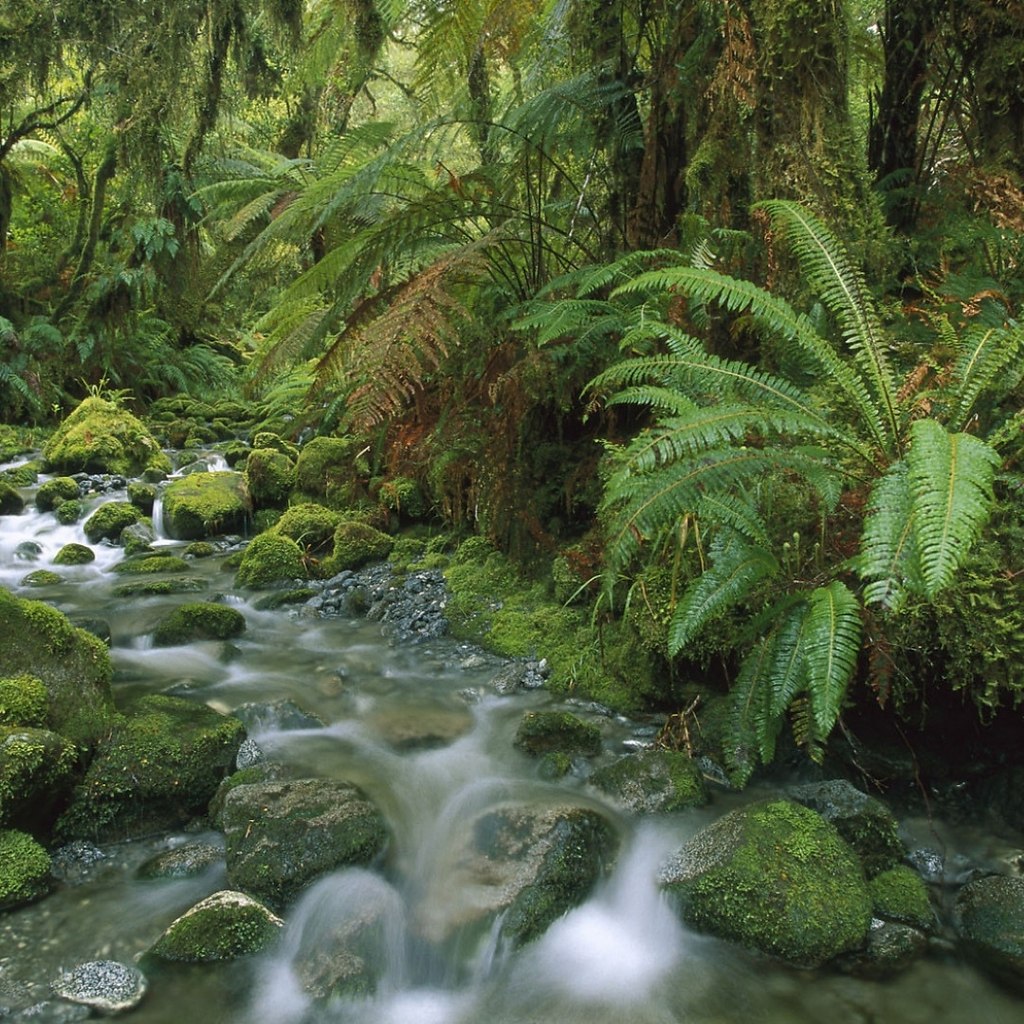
(704, 313)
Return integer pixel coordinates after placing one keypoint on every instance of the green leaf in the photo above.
(831, 646)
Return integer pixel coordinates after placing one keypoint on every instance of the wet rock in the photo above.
(204, 505)
(137, 538)
(198, 620)
(105, 985)
(223, 926)
(48, 1012)
(249, 753)
(899, 895)
(185, 861)
(76, 862)
(864, 822)
(28, 551)
(35, 776)
(653, 781)
(11, 501)
(990, 922)
(890, 949)
(278, 715)
(541, 732)
(774, 877)
(283, 835)
(532, 864)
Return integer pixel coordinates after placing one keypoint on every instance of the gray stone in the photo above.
(990, 921)
(105, 985)
(185, 861)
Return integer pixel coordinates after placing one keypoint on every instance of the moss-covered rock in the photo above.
(404, 498)
(101, 437)
(653, 781)
(41, 578)
(355, 544)
(24, 475)
(205, 504)
(107, 522)
(11, 501)
(73, 665)
(142, 496)
(990, 920)
(199, 549)
(898, 894)
(269, 478)
(158, 769)
(541, 732)
(160, 587)
(68, 512)
(223, 926)
(269, 440)
(23, 701)
(311, 526)
(150, 563)
(271, 558)
(35, 776)
(863, 821)
(74, 554)
(282, 835)
(774, 877)
(138, 538)
(199, 620)
(24, 869)
(186, 861)
(330, 470)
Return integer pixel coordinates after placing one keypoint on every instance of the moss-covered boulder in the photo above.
(107, 522)
(158, 769)
(356, 544)
(330, 470)
(23, 701)
(271, 558)
(898, 894)
(142, 496)
(186, 861)
(269, 478)
(204, 505)
(990, 921)
(863, 821)
(101, 437)
(24, 869)
(268, 439)
(35, 776)
(283, 835)
(56, 491)
(24, 475)
(311, 526)
(541, 732)
(151, 563)
(527, 863)
(199, 620)
(74, 554)
(223, 926)
(404, 498)
(138, 538)
(72, 664)
(68, 512)
(653, 781)
(41, 578)
(159, 587)
(774, 877)
(11, 501)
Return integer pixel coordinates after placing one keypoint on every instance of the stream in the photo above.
(421, 731)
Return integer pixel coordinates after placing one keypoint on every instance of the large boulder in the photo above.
(205, 504)
(542, 732)
(271, 558)
(72, 664)
(269, 477)
(157, 770)
(283, 835)
(529, 864)
(990, 920)
(223, 926)
(101, 437)
(653, 781)
(24, 869)
(774, 877)
(198, 620)
(330, 470)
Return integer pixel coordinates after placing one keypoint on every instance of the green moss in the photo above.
(154, 588)
(205, 504)
(35, 769)
(541, 732)
(73, 665)
(199, 549)
(200, 620)
(355, 545)
(107, 522)
(24, 869)
(403, 497)
(101, 437)
(280, 598)
(158, 768)
(311, 526)
(23, 701)
(330, 470)
(74, 554)
(554, 765)
(774, 877)
(899, 895)
(271, 558)
(24, 475)
(40, 578)
(151, 563)
(269, 478)
(267, 439)
(142, 496)
(68, 512)
(222, 927)
(653, 781)
(11, 501)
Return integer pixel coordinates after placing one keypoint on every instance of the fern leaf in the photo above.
(735, 569)
(950, 478)
(831, 646)
(888, 556)
(733, 511)
(750, 718)
(986, 359)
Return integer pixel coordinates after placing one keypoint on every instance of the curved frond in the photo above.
(888, 556)
(831, 646)
(989, 359)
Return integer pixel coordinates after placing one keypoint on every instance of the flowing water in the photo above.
(418, 728)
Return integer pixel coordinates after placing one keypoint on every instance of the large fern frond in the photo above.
(888, 558)
(831, 647)
(950, 479)
(989, 360)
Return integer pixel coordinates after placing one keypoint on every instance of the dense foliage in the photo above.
(715, 301)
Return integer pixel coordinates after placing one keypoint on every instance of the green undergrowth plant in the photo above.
(896, 466)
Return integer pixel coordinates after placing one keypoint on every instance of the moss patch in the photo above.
(23, 700)
(899, 895)
(200, 620)
(269, 477)
(74, 554)
(155, 588)
(107, 522)
(24, 869)
(205, 504)
(311, 526)
(330, 470)
(271, 558)
(35, 772)
(149, 564)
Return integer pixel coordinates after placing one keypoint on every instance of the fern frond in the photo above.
(950, 478)
(888, 557)
(736, 513)
(831, 646)
(987, 359)
(750, 719)
(829, 272)
(663, 399)
(735, 570)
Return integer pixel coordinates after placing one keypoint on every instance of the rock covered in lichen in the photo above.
(105, 985)
(653, 781)
(223, 926)
(774, 877)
